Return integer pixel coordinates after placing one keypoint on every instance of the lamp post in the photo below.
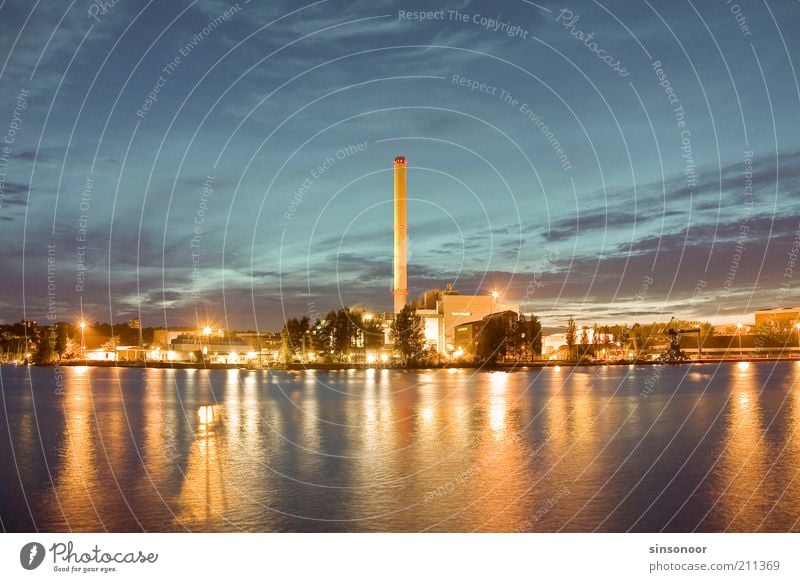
(739, 329)
(204, 350)
(83, 341)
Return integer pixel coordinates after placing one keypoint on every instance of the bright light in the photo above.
(251, 355)
(27, 356)
(797, 325)
(556, 368)
(743, 365)
(427, 413)
(206, 414)
(739, 325)
(385, 358)
(497, 414)
(495, 294)
(367, 316)
(458, 353)
(233, 357)
(207, 330)
(83, 325)
(372, 358)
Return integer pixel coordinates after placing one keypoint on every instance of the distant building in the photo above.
(134, 323)
(214, 349)
(745, 344)
(781, 318)
(162, 338)
(266, 344)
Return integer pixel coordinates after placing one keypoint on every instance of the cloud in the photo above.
(13, 194)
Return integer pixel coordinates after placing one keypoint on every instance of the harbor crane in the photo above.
(674, 352)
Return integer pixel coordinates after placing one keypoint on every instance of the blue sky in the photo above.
(257, 184)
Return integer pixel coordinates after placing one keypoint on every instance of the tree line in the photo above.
(333, 338)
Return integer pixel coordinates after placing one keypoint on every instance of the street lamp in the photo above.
(739, 327)
(495, 296)
(204, 351)
(83, 340)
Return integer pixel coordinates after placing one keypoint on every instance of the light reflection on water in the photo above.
(712, 448)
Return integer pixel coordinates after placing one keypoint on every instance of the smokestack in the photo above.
(400, 235)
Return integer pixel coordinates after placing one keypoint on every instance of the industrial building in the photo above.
(465, 335)
(444, 311)
(441, 311)
(781, 318)
(210, 348)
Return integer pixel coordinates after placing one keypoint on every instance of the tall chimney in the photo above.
(400, 235)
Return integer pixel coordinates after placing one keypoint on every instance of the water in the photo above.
(709, 448)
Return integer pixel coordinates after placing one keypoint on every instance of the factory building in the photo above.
(444, 311)
(441, 311)
(465, 335)
(782, 318)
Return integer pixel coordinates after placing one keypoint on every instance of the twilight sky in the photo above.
(615, 160)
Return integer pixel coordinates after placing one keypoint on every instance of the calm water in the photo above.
(711, 448)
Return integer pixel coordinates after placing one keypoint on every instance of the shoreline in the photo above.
(508, 367)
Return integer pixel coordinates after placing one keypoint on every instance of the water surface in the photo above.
(675, 448)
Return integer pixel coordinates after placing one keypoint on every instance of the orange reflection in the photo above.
(77, 490)
(744, 461)
(203, 497)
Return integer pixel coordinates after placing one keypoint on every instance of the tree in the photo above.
(493, 340)
(372, 333)
(607, 341)
(62, 339)
(112, 344)
(706, 331)
(70, 349)
(534, 335)
(638, 339)
(407, 334)
(570, 337)
(584, 342)
(293, 335)
(285, 353)
(525, 339)
(623, 336)
(44, 349)
(339, 332)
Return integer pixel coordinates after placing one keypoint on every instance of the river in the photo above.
(702, 447)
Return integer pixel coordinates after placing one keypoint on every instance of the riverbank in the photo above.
(499, 366)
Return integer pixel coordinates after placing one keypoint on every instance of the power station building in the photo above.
(441, 311)
(444, 311)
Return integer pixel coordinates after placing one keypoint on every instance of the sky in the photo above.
(185, 162)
